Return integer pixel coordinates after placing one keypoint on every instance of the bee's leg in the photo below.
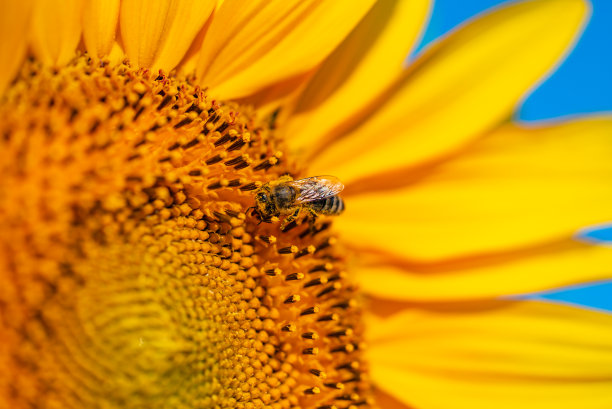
(313, 216)
(290, 218)
(312, 220)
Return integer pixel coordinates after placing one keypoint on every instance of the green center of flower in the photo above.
(133, 275)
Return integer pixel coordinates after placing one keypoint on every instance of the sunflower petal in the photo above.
(189, 18)
(251, 45)
(56, 30)
(14, 24)
(100, 19)
(516, 188)
(519, 272)
(280, 94)
(384, 400)
(158, 33)
(497, 355)
(364, 65)
(465, 85)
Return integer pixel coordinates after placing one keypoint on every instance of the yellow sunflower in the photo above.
(133, 274)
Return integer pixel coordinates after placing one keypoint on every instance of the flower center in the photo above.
(132, 275)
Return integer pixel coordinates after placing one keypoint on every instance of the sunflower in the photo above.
(135, 134)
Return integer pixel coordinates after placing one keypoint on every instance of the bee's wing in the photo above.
(317, 187)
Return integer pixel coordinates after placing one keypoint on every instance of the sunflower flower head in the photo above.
(138, 277)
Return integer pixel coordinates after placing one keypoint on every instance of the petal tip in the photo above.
(579, 8)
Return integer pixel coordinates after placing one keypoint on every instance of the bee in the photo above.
(285, 196)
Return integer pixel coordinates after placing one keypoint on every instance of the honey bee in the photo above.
(285, 196)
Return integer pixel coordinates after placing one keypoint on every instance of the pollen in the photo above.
(131, 272)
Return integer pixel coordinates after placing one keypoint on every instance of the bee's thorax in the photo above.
(284, 197)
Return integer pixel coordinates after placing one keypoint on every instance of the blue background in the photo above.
(583, 84)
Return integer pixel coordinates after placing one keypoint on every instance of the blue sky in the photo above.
(583, 84)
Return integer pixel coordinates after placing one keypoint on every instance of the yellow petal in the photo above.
(386, 401)
(515, 272)
(502, 355)
(56, 30)
(189, 18)
(279, 95)
(364, 65)
(158, 33)
(250, 45)
(14, 24)
(99, 26)
(515, 188)
(465, 85)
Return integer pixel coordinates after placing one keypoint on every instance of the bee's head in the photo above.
(264, 203)
(261, 196)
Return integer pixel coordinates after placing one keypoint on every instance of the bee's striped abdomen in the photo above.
(332, 205)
